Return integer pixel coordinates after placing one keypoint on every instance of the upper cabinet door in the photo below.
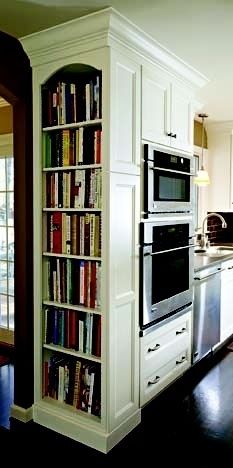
(181, 119)
(167, 117)
(155, 106)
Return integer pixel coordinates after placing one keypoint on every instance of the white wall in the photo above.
(220, 166)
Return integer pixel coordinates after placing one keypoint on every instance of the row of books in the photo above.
(66, 102)
(71, 281)
(81, 188)
(73, 329)
(72, 147)
(75, 234)
(74, 382)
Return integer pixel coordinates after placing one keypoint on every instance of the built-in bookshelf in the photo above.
(71, 251)
(86, 199)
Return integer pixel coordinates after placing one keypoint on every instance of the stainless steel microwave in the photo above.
(168, 184)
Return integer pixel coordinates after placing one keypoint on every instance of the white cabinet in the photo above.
(167, 115)
(165, 355)
(63, 60)
(226, 316)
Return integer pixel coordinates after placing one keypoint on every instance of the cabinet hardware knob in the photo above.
(173, 135)
(178, 332)
(179, 361)
(152, 382)
(169, 134)
(157, 346)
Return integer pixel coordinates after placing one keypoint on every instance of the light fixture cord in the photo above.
(202, 145)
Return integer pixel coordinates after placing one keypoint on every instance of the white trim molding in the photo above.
(22, 414)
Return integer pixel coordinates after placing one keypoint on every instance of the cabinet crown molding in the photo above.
(106, 27)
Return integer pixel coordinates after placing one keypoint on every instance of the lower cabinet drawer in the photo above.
(153, 382)
(174, 331)
(165, 354)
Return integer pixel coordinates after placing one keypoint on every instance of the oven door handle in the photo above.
(171, 250)
(155, 168)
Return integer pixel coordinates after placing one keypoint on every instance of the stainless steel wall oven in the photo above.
(166, 267)
(167, 181)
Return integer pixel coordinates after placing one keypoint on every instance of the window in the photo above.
(7, 242)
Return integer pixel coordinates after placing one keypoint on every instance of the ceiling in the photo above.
(200, 32)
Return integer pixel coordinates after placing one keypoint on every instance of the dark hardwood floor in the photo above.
(6, 393)
(190, 424)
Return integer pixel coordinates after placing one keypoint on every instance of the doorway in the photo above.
(6, 225)
(6, 262)
(17, 247)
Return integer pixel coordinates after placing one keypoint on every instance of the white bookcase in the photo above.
(107, 44)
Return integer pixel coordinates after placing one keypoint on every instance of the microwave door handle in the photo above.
(155, 168)
(172, 250)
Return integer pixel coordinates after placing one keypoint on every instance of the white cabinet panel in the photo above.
(124, 334)
(123, 289)
(125, 124)
(124, 232)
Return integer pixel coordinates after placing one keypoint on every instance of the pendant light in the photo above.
(202, 177)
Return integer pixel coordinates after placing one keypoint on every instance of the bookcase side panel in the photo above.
(123, 333)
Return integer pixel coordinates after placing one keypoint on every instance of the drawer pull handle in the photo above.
(152, 382)
(179, 361)
(181, 331)
(157, 346)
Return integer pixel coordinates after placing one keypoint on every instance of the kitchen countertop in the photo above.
(204, 260)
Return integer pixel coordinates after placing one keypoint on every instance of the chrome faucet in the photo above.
(204, 242)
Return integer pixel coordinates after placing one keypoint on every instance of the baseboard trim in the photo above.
(22, 414)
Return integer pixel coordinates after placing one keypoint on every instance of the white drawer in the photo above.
(155, 345)
(153, 383)
(165, 353)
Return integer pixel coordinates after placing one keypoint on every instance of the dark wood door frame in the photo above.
(16, 88)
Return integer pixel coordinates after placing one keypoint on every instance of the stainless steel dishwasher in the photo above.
(206, 315)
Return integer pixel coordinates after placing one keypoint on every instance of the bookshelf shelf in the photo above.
(73, 209)
(86, 123)
(85, 418)
(79, 257)
(66, 168)
(72, 306)
(71, 352)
